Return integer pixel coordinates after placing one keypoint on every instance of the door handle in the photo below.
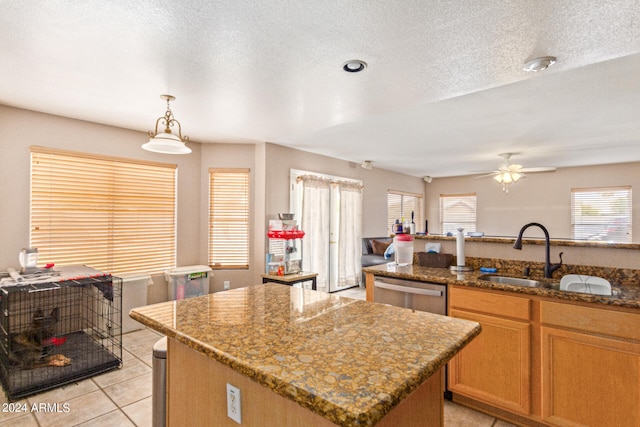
(408, 289)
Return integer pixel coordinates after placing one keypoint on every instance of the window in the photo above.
(457, 210)
(601, 214)
(113, 214)
(229, 218)
(400, 205)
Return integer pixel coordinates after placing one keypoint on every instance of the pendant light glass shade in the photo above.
(167, 142)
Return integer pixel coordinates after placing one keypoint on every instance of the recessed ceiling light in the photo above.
(538, 64)
(354, 66)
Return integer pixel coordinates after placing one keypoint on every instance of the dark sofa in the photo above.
(369, 258)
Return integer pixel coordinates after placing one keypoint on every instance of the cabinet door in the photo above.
(589, 380)
(495, 367)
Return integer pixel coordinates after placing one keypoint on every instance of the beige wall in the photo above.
(376, 184)
(544, 198)
(23, 128)
(234, 156)
(269, 166)
(540, 197)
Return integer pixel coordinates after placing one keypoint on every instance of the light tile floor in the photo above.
(123, 397)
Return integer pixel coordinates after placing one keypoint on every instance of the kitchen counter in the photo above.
(623, 295)
(349, 361)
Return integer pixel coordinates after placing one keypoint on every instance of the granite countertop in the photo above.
(623, 295)
(350, 361)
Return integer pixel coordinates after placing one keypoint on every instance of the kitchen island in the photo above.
(302, 357)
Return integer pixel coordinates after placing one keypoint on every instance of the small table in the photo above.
(291, 279)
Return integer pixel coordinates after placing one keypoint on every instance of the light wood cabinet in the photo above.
(590, 368)
(546, 362)
(495, 367)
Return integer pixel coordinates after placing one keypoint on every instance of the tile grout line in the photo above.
(118, 407)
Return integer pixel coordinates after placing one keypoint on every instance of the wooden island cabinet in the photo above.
(303, 358)
(544, 362)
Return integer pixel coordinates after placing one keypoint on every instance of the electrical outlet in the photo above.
(234, 410)
(226, 285)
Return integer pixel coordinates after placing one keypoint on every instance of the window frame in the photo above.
(469, 224)
(111, 213)
(234, 218)
(604, 227)
(418, 212)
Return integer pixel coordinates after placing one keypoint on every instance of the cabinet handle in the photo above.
(407, 289)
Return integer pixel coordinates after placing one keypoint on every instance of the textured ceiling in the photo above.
(444, 93)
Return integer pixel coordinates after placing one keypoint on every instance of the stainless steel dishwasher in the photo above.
(421, 296)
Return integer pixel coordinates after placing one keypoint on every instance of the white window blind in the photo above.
(113, 214)
(601, 214)
(457, 210)
(229, 218)
(400, 205)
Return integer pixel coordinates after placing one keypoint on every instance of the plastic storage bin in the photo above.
(186, 282)
(134, 294)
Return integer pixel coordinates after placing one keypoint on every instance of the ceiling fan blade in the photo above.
(541, 169)
(486, 175)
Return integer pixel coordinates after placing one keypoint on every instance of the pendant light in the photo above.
(166, 142)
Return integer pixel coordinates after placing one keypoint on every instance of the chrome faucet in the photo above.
(548, 267)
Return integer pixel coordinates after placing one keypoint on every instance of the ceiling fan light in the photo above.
(498, 178)
(516, 176)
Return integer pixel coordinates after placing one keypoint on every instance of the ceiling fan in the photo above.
(509, 173)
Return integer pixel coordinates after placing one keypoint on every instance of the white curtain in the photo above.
(350, 235)
(320, 197)
(315, 223)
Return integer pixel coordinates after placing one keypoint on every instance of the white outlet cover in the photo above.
(234, 407)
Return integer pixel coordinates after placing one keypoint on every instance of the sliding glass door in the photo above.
(329, 211)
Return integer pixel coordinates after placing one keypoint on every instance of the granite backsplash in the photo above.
(515, 268)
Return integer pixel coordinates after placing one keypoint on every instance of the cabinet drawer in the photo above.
(490, 303)
(595, 320)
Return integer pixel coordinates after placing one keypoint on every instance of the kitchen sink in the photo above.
(517, 281)
(511, 281)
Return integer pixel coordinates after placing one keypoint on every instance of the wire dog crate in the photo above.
(59, 332)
